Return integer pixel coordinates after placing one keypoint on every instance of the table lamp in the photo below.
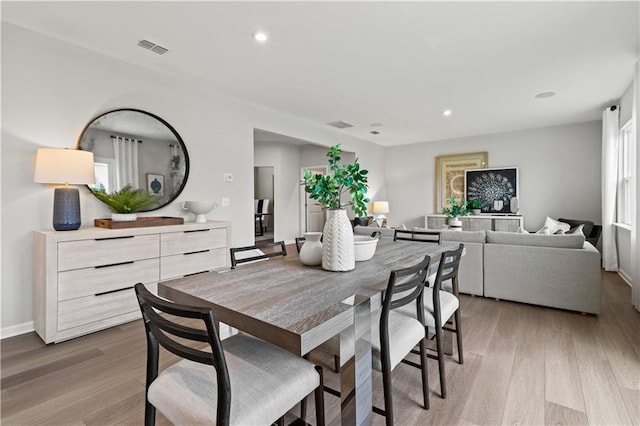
(65, 166)
(380, 208)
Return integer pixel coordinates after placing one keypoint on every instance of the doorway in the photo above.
(313, 212)
(264, 205)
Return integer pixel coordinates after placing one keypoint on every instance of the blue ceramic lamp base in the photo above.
(66, 209)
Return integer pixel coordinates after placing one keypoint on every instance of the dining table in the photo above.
(299, 307)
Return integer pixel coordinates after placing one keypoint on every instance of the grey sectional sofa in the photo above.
(559, 271)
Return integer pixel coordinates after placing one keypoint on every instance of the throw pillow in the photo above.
(554, 225)
(544, 231)
(521, 230)
(373, 222)
(577, 230)
(559, 232)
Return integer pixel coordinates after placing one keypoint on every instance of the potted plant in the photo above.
(476, 206)
(328, 190)
(456, 208)
(126, 202)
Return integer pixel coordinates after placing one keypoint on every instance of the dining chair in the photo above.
(440, 306)
(261, 207)
(414, 235)
(241, 381)
(256, 252)
(394, 335)
(299, 242)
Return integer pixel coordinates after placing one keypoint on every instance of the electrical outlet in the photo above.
(228, 177)
(226, 202)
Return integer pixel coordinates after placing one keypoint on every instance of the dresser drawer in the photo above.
(185, 264)
(106, 251)
(192, 241)
(102, 279)
(88, 309)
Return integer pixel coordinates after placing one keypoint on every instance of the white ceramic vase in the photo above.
(455, 224)
(124, 217)
(311, 250)
(337, 246)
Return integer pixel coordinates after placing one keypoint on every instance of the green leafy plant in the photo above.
(456, 207)
(342, 178)
(475, 204)
(126, 200)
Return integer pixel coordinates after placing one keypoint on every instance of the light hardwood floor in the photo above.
(523, 365)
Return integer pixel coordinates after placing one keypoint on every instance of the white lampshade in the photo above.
(56, 165)
(380, 207)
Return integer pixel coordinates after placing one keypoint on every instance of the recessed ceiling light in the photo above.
(260, 36)
(545, 95)
(447, 112)
(374, 132)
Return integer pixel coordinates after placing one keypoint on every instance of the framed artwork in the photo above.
(494, 187)
(155, 184)
(450, 176)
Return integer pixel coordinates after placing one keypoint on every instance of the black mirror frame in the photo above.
(170, 127)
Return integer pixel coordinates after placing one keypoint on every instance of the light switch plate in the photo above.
(226, 202)
(228, 177)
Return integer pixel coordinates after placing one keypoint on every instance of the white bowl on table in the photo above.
(364, 247)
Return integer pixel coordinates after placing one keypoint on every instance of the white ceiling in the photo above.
(396, 63)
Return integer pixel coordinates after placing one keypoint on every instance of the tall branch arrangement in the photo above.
(342, 178)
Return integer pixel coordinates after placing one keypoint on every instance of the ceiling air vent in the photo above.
(340, 124)
(146, 44)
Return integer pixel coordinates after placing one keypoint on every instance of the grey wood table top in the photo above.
(292, 305)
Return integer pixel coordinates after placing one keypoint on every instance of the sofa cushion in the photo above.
(572, 241)
(573, 223)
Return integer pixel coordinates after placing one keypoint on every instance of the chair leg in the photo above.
(425, 373)
(388, 396)
(303, 409)
(319, 397)
(149, 414)
(459, 335)
(280, 421)
(443, 379)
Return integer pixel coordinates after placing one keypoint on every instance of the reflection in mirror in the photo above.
(137, 148)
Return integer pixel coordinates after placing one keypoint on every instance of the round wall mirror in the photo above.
(137, 148)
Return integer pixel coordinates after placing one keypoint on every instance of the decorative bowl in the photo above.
(364, 247)
(199, 208)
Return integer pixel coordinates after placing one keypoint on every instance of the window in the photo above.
(626, 199)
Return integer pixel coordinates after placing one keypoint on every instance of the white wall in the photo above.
(559, 172)
(51, 89)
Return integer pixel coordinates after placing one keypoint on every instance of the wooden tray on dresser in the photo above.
(141, 222)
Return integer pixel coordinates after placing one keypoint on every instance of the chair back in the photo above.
(447, 270)
(299, 242)
(162, 331)
(410, 235)
(405, 286)
(281, 250)
(262, 205)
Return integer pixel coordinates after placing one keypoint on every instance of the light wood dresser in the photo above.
(83, 280)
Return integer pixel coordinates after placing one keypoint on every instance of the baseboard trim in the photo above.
(626, 278)
(16, 330)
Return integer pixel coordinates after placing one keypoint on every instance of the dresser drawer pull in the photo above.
(114, 264)
(197, 230)
(196, 252)
(114, 238)
(113, 291)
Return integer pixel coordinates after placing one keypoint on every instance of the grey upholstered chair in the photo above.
(244, 381)
(257, 252)
(440, 306)
(424, 236)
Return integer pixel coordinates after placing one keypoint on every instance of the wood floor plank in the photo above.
(531, 340)
(490, 387)
(555, 414)
(525, 397)
(624, 360)
(562, 380)
(632, 401)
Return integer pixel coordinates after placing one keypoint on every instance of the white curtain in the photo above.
(126, 154)
(609, 187)
(635, 244)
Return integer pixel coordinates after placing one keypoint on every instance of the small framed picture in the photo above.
(155, 184)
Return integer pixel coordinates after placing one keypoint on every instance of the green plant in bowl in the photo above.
(127, 200)
(456, 207)
(475, 204)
